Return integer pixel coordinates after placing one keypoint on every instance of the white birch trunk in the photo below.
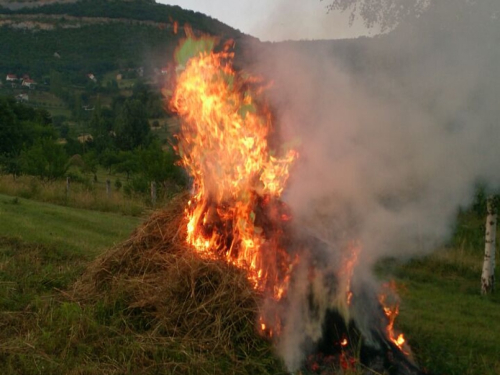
(488, 275)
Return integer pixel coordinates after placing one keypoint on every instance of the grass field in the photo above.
(90, 195)
(44, 248)
(451, 327)
(74, 230)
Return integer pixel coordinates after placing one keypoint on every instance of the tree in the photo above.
(384, 13)
(132, 126)
(19, 127)
(46, 159)
(488, 275)
(127, 162)
(159, 165)
(387, 14)
(91, 163)
(10, 132)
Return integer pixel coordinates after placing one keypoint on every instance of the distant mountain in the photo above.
(94, 35)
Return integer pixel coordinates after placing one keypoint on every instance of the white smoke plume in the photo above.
(394, 132)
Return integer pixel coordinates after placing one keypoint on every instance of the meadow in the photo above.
(45, 248)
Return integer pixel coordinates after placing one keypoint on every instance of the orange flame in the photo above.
(391, 310)
(224, 145)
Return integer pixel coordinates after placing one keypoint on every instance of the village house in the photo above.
(92, 77)
(29, 83)
(11, 78)
(21, 98)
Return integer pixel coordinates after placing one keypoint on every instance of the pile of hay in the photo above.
(201, 312)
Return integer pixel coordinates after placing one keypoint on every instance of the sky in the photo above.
(277, 20)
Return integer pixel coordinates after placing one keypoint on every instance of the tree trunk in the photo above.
(488, 276)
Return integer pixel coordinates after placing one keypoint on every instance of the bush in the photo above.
(136, 185)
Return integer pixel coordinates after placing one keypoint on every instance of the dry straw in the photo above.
(169, 292)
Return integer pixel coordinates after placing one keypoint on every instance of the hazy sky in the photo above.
(276, 19)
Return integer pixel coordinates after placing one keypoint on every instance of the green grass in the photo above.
(44, 330)
(452, 329)
(87, 195)
(44, 248)
(62, 227)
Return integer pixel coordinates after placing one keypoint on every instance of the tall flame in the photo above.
(224, 145)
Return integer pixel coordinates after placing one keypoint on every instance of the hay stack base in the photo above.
(202, 312)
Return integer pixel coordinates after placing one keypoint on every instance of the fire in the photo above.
(350, 262)
(224, 144)
(391, 310)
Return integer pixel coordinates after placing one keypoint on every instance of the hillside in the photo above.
(130, 34)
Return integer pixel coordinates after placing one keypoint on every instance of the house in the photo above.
(164, 71)
(92, 77)
(22, 98)
(11, 78)
(85, 138)
(29, 83)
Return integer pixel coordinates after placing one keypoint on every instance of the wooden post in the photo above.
(108, 188)
(153, 193)
(67, 185)
(488, 275)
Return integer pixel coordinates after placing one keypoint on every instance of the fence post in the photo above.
(488, 275)
(108, 188)
(68, 180)
(153, 193)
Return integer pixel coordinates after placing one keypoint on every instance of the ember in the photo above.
(227, 144)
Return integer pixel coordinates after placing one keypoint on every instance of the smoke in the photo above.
(394, 132)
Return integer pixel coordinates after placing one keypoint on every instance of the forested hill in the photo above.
(94, 36)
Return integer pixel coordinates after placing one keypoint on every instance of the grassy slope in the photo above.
(452, 328)
(44, 248)
(76, 230)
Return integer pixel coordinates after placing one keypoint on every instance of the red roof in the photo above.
(11, 76)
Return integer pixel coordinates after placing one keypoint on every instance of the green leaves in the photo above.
(45, 159)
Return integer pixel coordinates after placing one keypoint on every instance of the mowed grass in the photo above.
(69, 229)
(46, 329)
(44, 249)
(452, 329)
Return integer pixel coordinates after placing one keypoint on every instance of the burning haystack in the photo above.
(228, 266)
